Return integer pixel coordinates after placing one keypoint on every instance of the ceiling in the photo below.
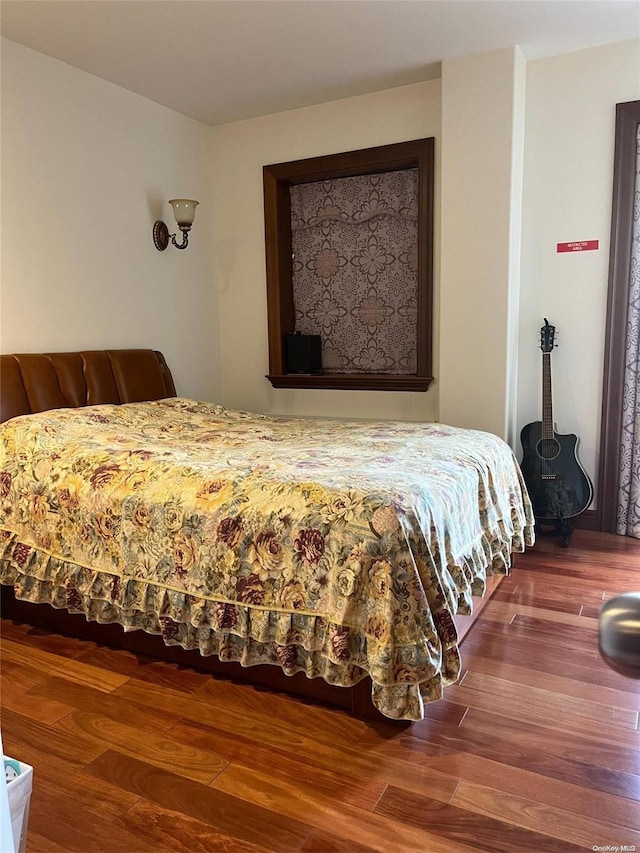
(224, 60)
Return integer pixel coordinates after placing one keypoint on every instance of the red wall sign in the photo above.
(578, 246)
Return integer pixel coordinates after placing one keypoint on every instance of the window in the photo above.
(360, 275)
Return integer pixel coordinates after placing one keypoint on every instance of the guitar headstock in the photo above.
(547, 336)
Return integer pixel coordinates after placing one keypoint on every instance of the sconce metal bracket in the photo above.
(160, 235)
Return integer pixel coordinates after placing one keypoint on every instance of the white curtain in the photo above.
(629, 493)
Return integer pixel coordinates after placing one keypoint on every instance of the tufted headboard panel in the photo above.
(35, 382)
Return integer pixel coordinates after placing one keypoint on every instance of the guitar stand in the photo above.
(562, 527)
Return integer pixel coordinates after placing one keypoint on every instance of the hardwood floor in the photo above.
(536, 749)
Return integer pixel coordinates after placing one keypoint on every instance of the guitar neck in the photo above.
(547, 405)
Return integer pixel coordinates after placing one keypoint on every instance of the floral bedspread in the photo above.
(338, 549)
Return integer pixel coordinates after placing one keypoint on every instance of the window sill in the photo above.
(352, 381)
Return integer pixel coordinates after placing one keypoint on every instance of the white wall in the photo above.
(241, 150)
(482, 142)
(87, 167)
(568, 177)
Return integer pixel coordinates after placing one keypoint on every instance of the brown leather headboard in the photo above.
(35, 382)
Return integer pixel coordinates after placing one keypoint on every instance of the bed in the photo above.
(334, 553)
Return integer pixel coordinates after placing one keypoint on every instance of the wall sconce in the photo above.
(184, 210)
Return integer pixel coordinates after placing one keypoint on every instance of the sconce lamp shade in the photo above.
(184, 210)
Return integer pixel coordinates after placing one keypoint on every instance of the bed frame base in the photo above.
(356, 700)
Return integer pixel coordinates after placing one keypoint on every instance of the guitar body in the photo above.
(557, 483)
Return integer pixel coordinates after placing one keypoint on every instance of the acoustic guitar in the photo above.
(557, 483)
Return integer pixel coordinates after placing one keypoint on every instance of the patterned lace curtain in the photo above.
(355, 270)
(629, 494)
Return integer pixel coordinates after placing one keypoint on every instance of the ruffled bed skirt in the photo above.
(404, 678)
(233, 632)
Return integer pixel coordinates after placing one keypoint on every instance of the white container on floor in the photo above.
(19, 796)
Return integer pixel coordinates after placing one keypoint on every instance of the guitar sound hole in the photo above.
(548, 448)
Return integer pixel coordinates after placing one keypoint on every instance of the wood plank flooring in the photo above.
(536, 748)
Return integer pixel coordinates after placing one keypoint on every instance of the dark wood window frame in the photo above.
(280, 308)
(627, 120)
